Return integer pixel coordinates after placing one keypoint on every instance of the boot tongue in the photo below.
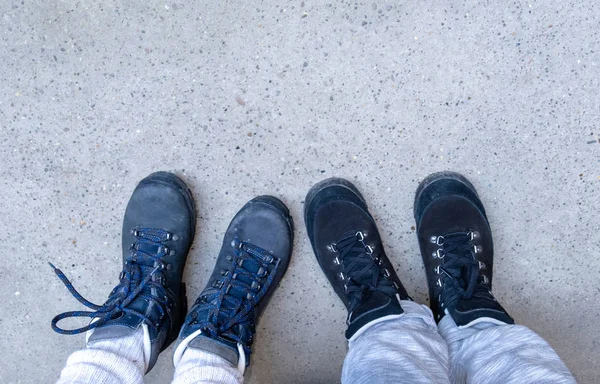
(226, 349)
(370, 308)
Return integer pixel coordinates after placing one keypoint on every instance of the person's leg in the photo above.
(491, 353)
(143, 313)
(456, 244)
(408, 349)
(391, 338)
(112, 361)
(215, 341)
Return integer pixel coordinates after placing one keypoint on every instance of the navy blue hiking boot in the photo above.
(255, 254)
(349, 250)
(457, 250)
(158, 230)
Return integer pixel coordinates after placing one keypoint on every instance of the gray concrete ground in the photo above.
(269, 97)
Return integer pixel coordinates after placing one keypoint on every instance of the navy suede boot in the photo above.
(457, 250)
(255, 253)
(158, 230)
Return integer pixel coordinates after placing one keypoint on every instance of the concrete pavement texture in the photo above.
(269, 97)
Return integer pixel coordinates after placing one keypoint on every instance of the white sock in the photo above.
(197, 366)
(113, 361)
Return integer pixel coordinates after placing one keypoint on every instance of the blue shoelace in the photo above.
(140, 276)
(230, 303)
(362, 270)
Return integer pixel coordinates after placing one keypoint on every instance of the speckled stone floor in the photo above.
(268, 97)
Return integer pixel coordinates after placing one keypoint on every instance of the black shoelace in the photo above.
(362, 270)
(141, 278)
(459, 269)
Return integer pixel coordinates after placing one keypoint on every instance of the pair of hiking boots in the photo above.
(158, 230)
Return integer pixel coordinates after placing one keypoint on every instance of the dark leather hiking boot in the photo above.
(348, 247)
(255, 254)
(457, 249)
(158, 230)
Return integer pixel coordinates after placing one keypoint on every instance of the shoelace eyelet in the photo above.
(172, 236)
(438, 254)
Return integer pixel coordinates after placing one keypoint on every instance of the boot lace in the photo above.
(361, 269)
(227, 309)
(141, 278)
(459, 269)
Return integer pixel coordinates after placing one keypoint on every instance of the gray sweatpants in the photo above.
(413, 349)
(409, 348)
